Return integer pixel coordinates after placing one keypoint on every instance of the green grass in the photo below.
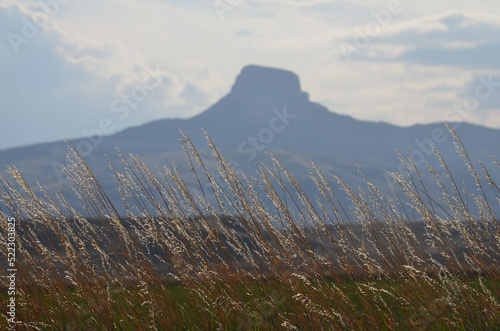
(306, 305)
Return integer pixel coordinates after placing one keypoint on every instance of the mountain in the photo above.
(265, 111)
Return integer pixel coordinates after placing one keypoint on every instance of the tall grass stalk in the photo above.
(255, 252)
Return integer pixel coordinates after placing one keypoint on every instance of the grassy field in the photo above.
(230, 261)
(295, 303)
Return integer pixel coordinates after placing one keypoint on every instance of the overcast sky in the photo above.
(71, 67)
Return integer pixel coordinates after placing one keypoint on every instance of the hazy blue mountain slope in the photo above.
(265, 111)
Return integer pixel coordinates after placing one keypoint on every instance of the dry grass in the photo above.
(255, 253)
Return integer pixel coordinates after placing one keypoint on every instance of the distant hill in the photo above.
(265, 111)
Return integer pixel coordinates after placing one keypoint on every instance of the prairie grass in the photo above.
(255, 253)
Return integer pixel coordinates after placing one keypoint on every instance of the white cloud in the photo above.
(455, 39)
(67, 80)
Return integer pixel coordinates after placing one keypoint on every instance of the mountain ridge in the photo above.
(265, 111)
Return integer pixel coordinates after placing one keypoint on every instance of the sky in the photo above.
(74, 68)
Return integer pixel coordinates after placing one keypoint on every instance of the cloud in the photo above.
(39, 85)
(305, 3)
(445, 28)
(478, 56)
(480, 100)
(452, 53)
(63, 83)
(94, 52)
(243, 33)
(458, 40)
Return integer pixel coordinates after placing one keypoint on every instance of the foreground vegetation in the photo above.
(255, 253)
